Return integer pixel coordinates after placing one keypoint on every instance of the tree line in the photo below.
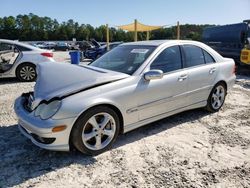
(35, 28)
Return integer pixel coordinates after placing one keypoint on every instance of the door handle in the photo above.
(182, 77)
(212, 70)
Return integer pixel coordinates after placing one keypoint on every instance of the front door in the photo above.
(165, 94)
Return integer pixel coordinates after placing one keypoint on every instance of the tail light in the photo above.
(47, 54)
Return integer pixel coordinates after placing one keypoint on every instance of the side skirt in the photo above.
(141, 123)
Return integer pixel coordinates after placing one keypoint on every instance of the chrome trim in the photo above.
(153, 75)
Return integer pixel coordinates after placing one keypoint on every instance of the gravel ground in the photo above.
(191, 149)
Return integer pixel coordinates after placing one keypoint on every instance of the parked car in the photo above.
(229, 40)
(130, 86)
(40, 45)
(20, 60)
(95, 43)
(82, 45)
(95, 53)
(50, 45)
(62, 46)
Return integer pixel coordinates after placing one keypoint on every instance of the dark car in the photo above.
(82, 45)
(62, 46)
(50, 45)
(40, 45)
(99, 51)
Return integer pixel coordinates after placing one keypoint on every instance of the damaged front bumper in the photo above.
(40, 131)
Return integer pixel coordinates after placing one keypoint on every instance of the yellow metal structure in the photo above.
(245, 56)
(147, 35)
(107, 36)
(178, 30)
(135, 29)
(139, 27)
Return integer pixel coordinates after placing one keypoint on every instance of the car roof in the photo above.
(160, 42)
(20, 44)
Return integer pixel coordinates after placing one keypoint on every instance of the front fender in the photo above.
(74, 108)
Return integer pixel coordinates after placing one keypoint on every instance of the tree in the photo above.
(32, 27)
(9, 28)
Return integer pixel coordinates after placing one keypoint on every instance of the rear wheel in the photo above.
(26, 72)
(216, 98)
(96, 130)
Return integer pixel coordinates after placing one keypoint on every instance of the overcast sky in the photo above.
(119, 12)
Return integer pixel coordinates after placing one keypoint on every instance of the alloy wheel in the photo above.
(99, 131)
(218, 97)
(27, 73)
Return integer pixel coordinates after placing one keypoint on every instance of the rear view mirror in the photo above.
(153, 75)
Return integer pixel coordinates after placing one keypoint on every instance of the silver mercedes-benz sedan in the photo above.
(87, 107)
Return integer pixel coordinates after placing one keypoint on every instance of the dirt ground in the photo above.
(191, 149)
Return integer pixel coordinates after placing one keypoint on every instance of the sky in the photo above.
(120, 12)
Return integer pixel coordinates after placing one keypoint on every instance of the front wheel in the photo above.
(216, 98)
(26, 72)
(96, 130)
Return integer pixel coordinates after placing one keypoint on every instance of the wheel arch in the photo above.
(222, 82)
(23, 63)
(113, 107)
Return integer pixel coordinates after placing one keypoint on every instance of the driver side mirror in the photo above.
(153, 75)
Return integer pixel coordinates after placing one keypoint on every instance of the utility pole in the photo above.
(107, 36)
(147, 35)
(178, 31)
(135, 37)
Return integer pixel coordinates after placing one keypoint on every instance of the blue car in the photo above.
(96, 52)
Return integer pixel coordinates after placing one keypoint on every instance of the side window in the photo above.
(22, 48)
(194, 55)
(6, 47)
(8, 53)
(168, 60)
(208, 57)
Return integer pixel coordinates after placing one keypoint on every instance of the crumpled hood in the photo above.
(60, 79)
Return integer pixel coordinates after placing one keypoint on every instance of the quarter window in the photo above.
(208, 57)
(168, 60)
(194, 55)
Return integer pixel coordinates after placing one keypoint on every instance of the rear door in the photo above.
(8, 56)
(202, 71)
(165, 94)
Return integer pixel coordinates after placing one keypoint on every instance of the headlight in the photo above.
(46, 111)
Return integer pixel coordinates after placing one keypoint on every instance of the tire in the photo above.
(96, 130)
(26, 72)
(217, 97)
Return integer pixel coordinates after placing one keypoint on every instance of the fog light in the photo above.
(59, 128)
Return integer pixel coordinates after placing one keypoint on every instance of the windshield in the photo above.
(126, 59)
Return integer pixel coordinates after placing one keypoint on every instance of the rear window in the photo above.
(22, 48)
(208, 57)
